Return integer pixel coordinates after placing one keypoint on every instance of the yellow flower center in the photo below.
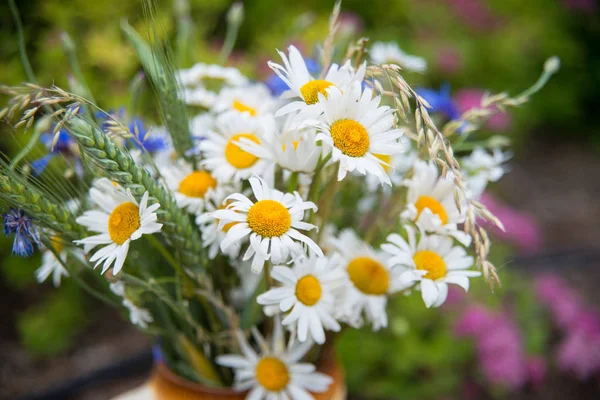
(230, 225)
(57, 244)
(237, 157)
(350, 137)
(308, 290)
(310, 90)
(434, 206)
(430, 261)
(241, 107)
(369, 276)
(269, 218)
(197, 184)
(386, 159)
(272, 374)
(123, 221)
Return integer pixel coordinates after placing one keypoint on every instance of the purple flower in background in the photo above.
(19, 224)
(468, 99)
(521, 229)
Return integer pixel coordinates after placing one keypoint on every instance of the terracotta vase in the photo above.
(165, 385)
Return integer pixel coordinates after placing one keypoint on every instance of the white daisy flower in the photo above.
(199, 96)
(137, 315)
(222, 153)
(303, 86)
(212, 233)
(482, 167)
(193, 82)
(52, 265)
(308, 290)
(430, 202)
(369, 280)
(255, 100)
(359, 132)
(201, 124)
(191, 188)
(295, 149)
(274, 373)
(119, 220)
(196, 75)
(384, 53)
(434, 263)
(271, 224)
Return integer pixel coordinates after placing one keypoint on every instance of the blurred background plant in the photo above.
(483, 44)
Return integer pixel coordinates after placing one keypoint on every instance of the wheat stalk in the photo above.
(38, 204)
(118, 165)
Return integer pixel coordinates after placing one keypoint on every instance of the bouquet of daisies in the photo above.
(260, 219)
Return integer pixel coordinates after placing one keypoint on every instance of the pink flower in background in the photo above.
(562, 301)
(588, 6)
(521, 229)
(499, 346)
(471, 98)
(449, 60)
(579, 351)
(475, 321)
(536, 368)
(474, 13)
(351, 24)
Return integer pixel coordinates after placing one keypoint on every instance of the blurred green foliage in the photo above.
(49, 327)
(417, 354)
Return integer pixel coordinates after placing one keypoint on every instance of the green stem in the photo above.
(293, 182)
(21, 36)
(69, 48)
(541, 82)
(26, 149)
(234, 20)
(165, 253)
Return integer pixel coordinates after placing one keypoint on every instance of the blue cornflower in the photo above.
(64, 145)
(441, 102)
(102, 117)
(19, 224)
(149, 142)
(277, 86)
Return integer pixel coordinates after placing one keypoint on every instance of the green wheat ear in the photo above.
(157, 65)
(38, 204)
(119, 166)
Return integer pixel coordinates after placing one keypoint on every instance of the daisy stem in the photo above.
(292, 182)
(326, 201)
(165, 253)
(95, 293)
(314, 187)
